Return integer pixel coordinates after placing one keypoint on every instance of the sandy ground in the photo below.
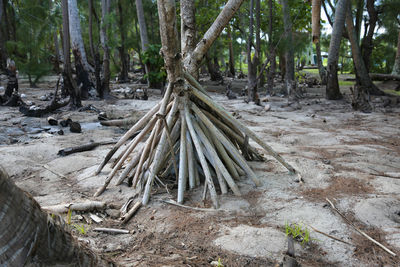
(341, 155)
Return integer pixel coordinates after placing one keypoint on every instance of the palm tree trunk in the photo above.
(29, 236)
(69, 83)
(361, 71)
(396, 66)
(332, 86)
(231, 54)
(289, 52)
(76, 33)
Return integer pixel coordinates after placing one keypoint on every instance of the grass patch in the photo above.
(392, 92)
(312, 71)
(345, 83)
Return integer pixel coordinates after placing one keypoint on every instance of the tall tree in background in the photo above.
(231, 54)
(332, 86)
(289, 51)
(271, 46)
(367, 42)
(105, 81)
(69, 82)
(76, 34)
(362, 76)
(143, 33)
(316, 32)
(253, 62)
(396, 66)
(3, 54)
(123, 76)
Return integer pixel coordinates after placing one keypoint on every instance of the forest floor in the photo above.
(341, 154)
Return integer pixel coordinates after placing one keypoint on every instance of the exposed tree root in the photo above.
(205, 139)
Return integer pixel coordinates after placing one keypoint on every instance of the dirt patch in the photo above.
(339, 186)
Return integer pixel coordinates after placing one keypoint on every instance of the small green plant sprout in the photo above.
(298, 232)
(217, 263)
(80, 228)
(69, 216)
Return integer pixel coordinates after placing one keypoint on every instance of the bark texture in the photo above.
(396, 66)
(289, 52)
(192, 63)
(362, 76)
(332, 86)
(316, 15)
(105, 82)
(30, 237)
(188, 28)
(76, 33)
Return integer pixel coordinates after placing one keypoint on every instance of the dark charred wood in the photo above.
(82, 148)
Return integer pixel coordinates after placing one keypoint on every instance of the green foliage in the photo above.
(69, 216)
(80, 228)
(152, 57)
(298, 232)
(220, 263)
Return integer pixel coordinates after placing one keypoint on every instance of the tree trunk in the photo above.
(332, 86)
(321, 68)
(367, 43)
(105, 83)
(396, 66)
(214, 74)
(231, 54)
(188, 29)
(253, 63)
(57, 53)
(91, 29)
(76, 33)
(362, 76)
(30, 237)
(289, 52)
(316, 15)
(69, 83)
(143, 33)
(123, 76)
(3, 54)
(272, 52)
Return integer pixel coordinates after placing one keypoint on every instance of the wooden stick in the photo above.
(218, 165)
(112, 230)
(190, 161)
(229, 147)
(194, 82)
(85, 206)
(182, 160)
(82, 148)
(128, 135)
(159, 156)
(119, 164)
(171, 202)
(145, 154)
(202, 159)
(125, 218)
(330, 236)
(217, 108)
(360, 231)
(132, 164)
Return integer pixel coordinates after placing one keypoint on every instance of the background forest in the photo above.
(125, 35)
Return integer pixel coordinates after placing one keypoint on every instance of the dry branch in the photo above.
(360, 231)
(85, 206)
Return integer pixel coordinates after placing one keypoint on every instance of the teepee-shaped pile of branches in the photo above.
(187, 123)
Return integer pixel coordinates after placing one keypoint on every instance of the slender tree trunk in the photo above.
(188, 28)
(123, 76)
(30, 237)
(231, 54)
(76, 33)
(214, 75)
(289, 52)
(252, 63)
(143, 33)
(321, 68)
(3, 54)
(105, 83)
(69, 83)
(332, 87)
(92, 51)
(272, 52)
(316, 15)
(367, 43)
(361, 71)
(57, 53)
(396, 66)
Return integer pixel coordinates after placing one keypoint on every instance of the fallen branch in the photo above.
(82, 148)
(360, 231)
(86, 206)
(112, 230)
(330, 236)
(394, 175)
(54, 172)
(171, 202)
(125, 218)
